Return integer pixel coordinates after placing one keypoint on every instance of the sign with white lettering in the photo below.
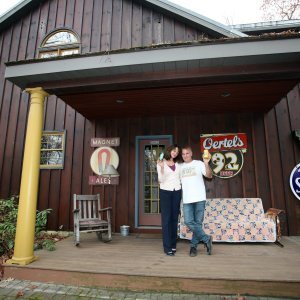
(223, 142)
(295, 181)
(101, 180)
(226, 152)
(100, 142)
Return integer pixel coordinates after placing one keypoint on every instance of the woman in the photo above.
(170, 196)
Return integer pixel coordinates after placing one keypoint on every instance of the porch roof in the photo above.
(213, 76)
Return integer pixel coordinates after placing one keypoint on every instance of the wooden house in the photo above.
(149, 73)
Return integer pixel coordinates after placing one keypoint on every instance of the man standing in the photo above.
(194, 197)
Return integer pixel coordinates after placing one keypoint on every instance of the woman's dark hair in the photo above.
(167, 153)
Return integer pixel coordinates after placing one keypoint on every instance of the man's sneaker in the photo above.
(193, 252)
(208, 245)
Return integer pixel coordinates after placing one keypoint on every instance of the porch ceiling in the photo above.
(176, 100)
(246, 75)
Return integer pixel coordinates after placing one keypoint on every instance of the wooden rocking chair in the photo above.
(88, 217)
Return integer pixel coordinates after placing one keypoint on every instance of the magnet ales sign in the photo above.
(101, 158)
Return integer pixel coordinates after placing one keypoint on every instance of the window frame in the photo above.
(59, 49)
(63, 150)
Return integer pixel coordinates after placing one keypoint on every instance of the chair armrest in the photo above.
(105, 209)
(273, 213)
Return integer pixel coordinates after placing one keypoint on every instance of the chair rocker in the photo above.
(88, 217)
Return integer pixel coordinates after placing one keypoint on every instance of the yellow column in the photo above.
(24, 240)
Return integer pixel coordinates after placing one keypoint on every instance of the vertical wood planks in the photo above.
(116, 27)
(97, 26)
(137, 14)
(249, 187)
(65, 207)
(87, 27)
(261, 161)
(126, 25)
(274, 161)
(106, 25)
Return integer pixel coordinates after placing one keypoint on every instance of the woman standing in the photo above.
(170, 196)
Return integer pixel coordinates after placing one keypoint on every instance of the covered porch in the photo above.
(137, 262)
(219, 76)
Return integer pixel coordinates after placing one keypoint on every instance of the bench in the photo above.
(237, 220)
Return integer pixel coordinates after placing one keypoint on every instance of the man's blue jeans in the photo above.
(193, 218)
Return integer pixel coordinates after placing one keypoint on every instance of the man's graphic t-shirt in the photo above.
(193, 188)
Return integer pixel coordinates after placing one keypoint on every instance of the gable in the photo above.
(105, 25)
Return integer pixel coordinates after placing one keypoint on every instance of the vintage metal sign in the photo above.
(100, 159)
(295, 181)
(227, 152)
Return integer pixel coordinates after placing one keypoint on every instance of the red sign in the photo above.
(223, 142)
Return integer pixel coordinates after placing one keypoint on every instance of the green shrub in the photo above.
(8, 219)
(8, 222)
(41, 220)
(48, 244)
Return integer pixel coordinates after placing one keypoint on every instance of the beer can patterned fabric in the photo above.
(234, 220)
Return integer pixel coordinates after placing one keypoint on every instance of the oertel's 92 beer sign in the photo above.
(226, 152)
(295, 181)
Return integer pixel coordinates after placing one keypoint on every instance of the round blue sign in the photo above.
(295, 181)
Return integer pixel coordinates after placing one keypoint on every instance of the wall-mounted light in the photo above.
(225, 94)
(119, 101)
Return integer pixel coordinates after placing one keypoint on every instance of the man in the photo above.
(194, 197)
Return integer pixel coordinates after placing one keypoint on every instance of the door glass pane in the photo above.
(151, 186)
(147, 193)
(147, 208)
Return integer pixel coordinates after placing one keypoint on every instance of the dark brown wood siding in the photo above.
(272, 151)
(272, 154)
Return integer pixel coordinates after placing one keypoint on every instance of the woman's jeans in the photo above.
(193, 218)
(170, 207)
